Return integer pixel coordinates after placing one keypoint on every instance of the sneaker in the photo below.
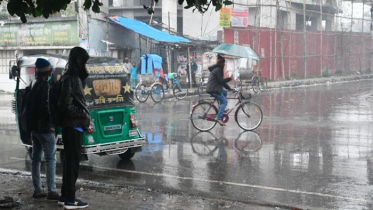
(220, 122)
(61, 201)
(77, 204)
(53, 196)
(39, 194)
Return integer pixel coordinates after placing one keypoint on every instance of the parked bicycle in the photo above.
(155, 90)
(248, 115)
(258, 82)
(201, 86)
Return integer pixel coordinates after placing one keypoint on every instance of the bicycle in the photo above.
(155, 90)
(259, 82)
(201, 86)
(179, 91)
(248, 115)
(206, 143)
(246, 143)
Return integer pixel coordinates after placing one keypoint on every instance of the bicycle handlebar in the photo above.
(235, 90)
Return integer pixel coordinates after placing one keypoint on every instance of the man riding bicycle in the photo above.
(215, 85)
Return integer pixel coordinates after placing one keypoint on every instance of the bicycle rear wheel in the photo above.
(141, 93)
(157, 93)
(255, 84)
(179, 94)
(201, 119)
(249, 116)
(262, 84)
(201, 89)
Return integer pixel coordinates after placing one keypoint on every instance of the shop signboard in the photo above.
(225, 17)
(239, 17)
(54, 33)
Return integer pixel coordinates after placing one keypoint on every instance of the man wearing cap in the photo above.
(42, 131)
(215, 85)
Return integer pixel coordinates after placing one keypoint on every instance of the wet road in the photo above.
(313, 150)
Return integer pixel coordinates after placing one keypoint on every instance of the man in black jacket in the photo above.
(75, 119)
(215, 85)
(42, 131)
(194, 67)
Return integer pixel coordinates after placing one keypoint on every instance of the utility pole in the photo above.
(168, 47)
(275, 67)
(363, 38)
(321, 41)
(349, 44)
(107, 34)
(281, 41)
(190, 70)
(270, 43)
(304, 40)
(150, 22)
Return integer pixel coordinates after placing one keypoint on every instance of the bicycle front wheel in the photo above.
(247, 143)
(203, 116)
(141, 93)
(249, 116)
(179, 93)
(262, 84)
(157, 93)
(255, 84)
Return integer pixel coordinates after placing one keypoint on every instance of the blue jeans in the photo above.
(44, 142)
(222, 98)
(133, 83)
(176, 81)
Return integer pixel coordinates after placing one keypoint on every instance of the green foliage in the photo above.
(203, 5)
(325, 73)
(45, 8)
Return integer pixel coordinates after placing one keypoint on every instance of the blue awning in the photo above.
(146, 30)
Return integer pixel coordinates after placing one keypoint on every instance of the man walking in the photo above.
(42, 131)
(75, 119)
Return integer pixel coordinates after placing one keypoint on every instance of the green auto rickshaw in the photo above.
(109, 98)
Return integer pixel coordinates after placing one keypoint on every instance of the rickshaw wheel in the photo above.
(126, 155)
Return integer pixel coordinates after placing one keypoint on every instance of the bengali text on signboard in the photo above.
(225, 17)
(39, 34)
(239, 17)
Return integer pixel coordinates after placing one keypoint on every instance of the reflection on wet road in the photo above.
(313, 150)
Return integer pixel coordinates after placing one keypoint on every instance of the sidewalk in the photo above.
(294, 83)
(18, 186)
(8, 86)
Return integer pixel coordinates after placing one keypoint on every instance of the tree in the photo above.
(44, 8)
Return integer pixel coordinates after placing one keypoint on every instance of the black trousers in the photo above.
(72, 141)
(193, 79)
